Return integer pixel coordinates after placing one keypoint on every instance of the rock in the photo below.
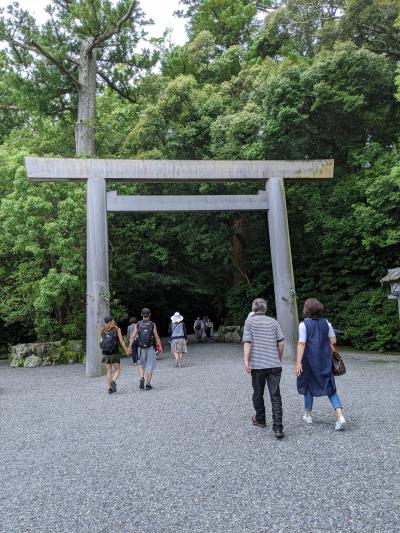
(32, 361)
(71, 352)
(233, 336)
(231, 329)
(50, 353)
(40, 349)
(14, 363)
(230, 334)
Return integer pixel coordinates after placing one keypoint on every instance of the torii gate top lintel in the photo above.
(181, 171)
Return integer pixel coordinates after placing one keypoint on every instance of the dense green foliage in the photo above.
(256, 80)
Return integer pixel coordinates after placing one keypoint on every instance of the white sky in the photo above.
(158, 10)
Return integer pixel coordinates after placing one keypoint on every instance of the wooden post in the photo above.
(97, 297)
(282, 268)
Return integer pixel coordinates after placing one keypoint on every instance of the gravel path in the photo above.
(185, 457)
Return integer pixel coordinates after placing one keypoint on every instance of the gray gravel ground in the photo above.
(185, 457)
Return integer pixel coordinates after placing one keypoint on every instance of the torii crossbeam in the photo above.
(97, 171)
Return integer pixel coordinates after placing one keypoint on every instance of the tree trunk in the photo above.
(240, 234)
(86, 124)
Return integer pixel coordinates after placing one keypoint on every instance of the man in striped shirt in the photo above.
(263, 350)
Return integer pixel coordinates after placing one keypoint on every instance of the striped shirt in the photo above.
(264, 333)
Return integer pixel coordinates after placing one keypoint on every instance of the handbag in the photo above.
(338, 366)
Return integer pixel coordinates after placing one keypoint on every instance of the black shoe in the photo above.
(279, 434)
(148, 386)
(113, 386)
(257, 423)
(110, 391)
(141, 384)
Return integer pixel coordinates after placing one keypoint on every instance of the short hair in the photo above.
(133, 320)
(313, 308)
(259, 304)
(145, 311)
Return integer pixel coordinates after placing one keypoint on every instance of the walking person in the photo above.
(209, 328)
(132, 322)
(314, 361)
(147, 338)
(262, 353)
(111, 338)
(177, 330)
(198, 328)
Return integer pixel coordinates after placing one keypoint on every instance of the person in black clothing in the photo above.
(111, 338)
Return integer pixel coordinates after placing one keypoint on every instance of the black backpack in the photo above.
(145, 335)
(109, 342)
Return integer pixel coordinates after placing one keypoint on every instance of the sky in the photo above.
(161, 11)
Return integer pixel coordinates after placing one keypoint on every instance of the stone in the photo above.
(50, 353)
(230, 334)
(32, 361)
(233, 336)
(40, 349)
(71, 352)
(15, 363)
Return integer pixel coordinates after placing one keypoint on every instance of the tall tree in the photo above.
(82, 43)
(230, 21)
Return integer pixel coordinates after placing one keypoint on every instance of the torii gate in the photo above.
(272, 199)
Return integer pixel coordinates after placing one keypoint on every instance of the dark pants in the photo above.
(134, 353)
(271, 376)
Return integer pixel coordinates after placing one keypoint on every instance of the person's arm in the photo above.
(281, 347)
(184, 330)
(299, 357)
(157, 339)
(133, 335)
(246, 356)
(247, 337)
(332, 337)
(121, 340)
(279, 340)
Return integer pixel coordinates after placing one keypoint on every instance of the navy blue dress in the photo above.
(317, 376)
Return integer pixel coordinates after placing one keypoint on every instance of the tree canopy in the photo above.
(288, 79)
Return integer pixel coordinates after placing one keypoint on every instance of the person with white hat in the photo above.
(177, 330)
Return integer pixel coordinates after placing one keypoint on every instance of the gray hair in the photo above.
(259, 305)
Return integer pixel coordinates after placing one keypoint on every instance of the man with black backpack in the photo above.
(146, 336)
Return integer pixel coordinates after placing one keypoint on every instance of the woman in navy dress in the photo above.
(314, 361)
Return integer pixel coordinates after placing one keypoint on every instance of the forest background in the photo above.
(289, 79)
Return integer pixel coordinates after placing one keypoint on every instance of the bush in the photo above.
(372, 322)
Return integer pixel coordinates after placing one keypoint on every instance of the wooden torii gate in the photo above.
(97, 171)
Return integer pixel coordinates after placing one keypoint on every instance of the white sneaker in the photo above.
(307, 419)
(340, 424)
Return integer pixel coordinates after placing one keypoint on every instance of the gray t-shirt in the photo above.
(264, 333)
(130, 329)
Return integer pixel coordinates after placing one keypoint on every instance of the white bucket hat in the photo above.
(176, 317)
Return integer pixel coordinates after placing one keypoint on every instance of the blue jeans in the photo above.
(334, 399)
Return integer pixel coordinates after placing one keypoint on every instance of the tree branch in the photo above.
(33, 46)
(108, 34)
(114, 87)
(242, 273)
(57, 63)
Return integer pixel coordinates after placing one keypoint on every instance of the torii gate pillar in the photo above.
(282, 267)
(97, 284)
